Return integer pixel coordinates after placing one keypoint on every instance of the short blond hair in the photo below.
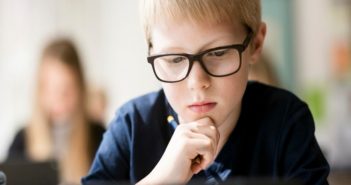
(245, 12)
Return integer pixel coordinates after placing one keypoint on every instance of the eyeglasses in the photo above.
(218, 62)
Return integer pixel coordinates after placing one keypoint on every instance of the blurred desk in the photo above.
(340, 177)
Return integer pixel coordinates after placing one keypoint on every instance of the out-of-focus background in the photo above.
(308, 49)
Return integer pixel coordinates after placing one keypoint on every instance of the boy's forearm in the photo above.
(160, 175)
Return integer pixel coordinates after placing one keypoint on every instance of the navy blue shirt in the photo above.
(274, 137)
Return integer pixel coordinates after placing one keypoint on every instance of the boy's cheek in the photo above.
(175, 94)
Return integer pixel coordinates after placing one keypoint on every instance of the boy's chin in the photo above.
(193, 118)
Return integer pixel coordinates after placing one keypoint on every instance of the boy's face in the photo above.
(201, 95)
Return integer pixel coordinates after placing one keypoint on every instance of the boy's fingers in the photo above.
(203, 126)
(196, 168)
(205, 121)
(205, 142)
(203, 138)
(205, 148)
(209, 130)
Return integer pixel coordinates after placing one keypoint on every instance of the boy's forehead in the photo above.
(190, 34)
(177, 23)
(181, 23)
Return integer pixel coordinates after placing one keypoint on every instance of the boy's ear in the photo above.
(257, 45)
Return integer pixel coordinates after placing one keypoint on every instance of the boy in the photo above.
(208, 122)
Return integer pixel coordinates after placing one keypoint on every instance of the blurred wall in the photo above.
(279, 45)
(107, 33)
(323, 72)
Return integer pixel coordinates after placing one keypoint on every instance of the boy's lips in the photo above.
(202, 107)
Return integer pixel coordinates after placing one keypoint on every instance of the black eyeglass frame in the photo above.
(198, 57)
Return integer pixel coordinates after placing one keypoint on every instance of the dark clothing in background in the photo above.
(17, 151)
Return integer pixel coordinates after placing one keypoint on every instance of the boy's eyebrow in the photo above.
(223, 40)
(207, 45)
(171, 49)
(168, 50)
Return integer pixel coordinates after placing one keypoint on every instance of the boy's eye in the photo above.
(178, 59)
(217, 53)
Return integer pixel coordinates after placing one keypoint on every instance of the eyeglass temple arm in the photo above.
(248, 39)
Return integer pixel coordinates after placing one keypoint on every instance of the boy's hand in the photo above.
(191, 149)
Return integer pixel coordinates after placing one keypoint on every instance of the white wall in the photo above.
(313, 45)
(109, 38)
(312, 29)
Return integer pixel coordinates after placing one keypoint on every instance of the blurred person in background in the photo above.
(97, 101)
(59, 128)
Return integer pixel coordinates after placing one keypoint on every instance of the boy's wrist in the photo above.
(154, 177)
(162, 175)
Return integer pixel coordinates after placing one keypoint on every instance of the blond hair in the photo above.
(76, 160)
(245, 12)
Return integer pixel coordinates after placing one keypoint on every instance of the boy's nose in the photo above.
(198, 78)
